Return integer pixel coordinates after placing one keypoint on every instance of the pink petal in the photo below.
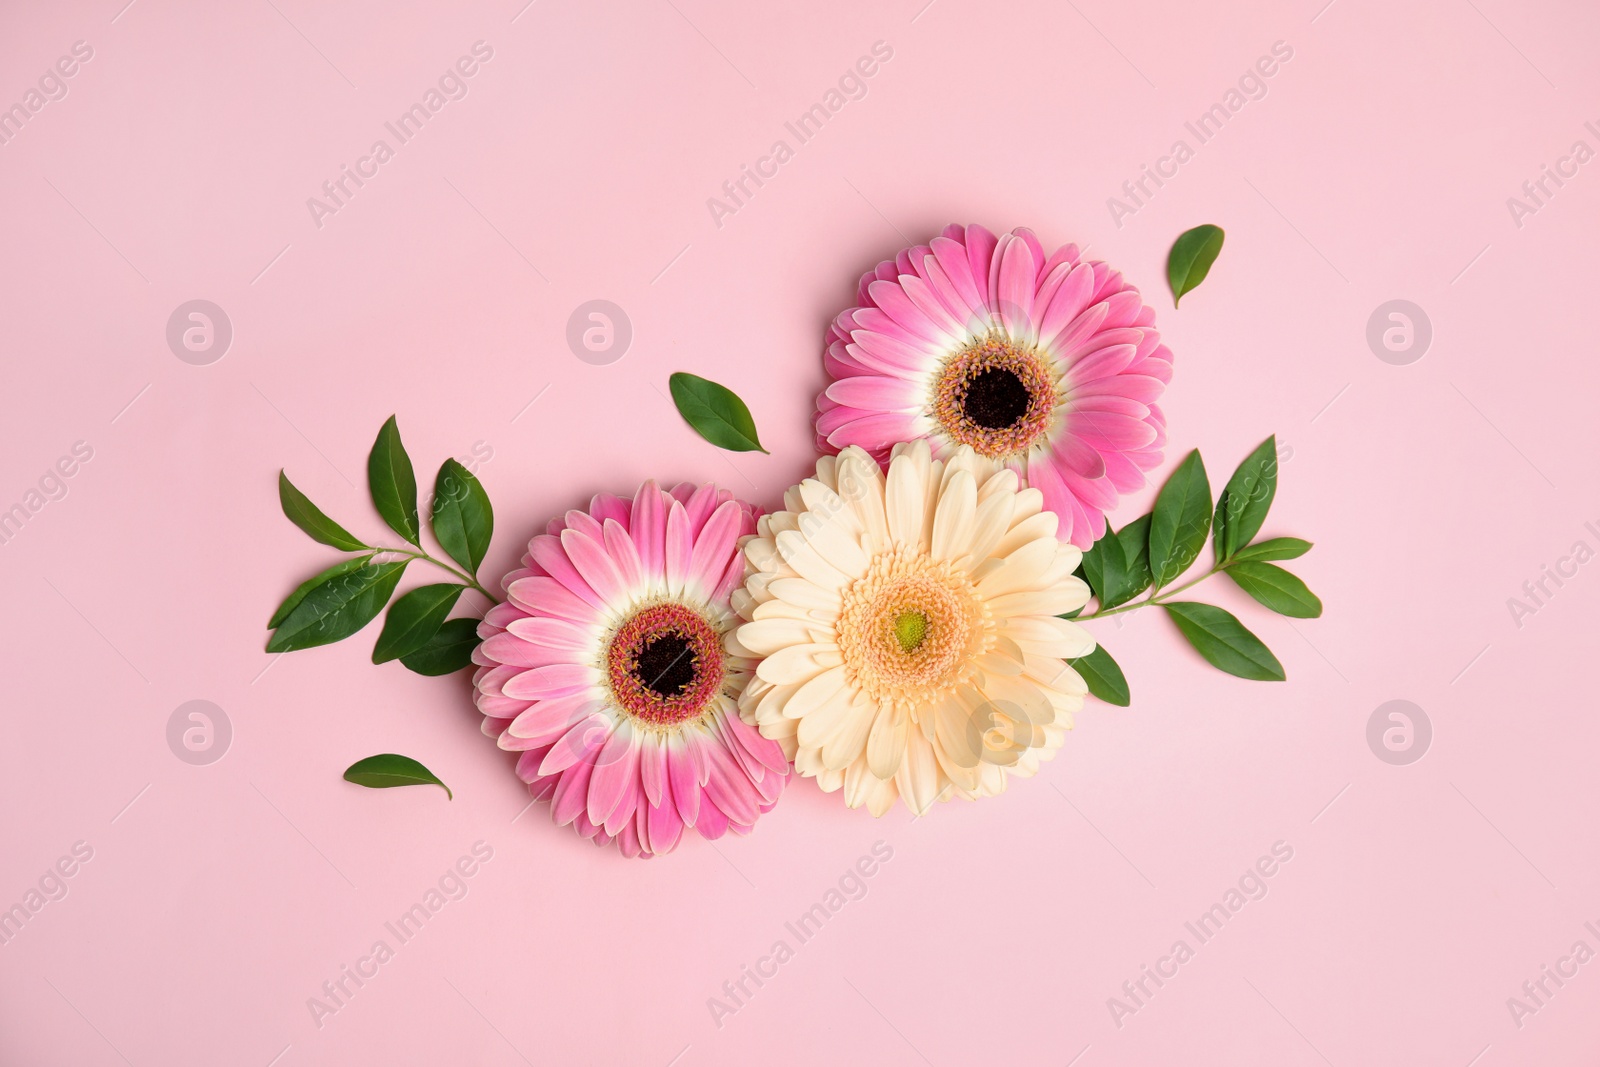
(555, 633)
(554, 680)
(572, 794)
(649, 528)
(582, 743)
(678, 547)
(624, 554)
(547, 551)
(653, 768)
(713, 547)
(876, 393)
(608, 506)
(543, 595)
(1014, 288)
(665, 827)
(513, 651)
(876, 431)
(615, 772)
(595, 564)
(684, 780)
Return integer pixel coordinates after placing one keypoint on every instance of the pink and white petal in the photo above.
(677, 548)
(713, 547)
(877, 393)
(543, 595)
(554, 680)
(547, 551)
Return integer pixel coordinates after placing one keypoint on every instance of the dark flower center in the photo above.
(996, 398)
(666, 664)
(996, 395)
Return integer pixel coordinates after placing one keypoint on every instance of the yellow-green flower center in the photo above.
(910, 627)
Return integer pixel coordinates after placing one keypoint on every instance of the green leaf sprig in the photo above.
(1155, 550)
(388, 770)
(1191, 257)
(715, 412)
(341, 600)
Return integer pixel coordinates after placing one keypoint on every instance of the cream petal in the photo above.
(905, 502)
(814, 693)
(819, 724)
(807, 562)
(886, 745)
(1057, 601)
(767, 635)
(861, 485)
(795, 664)
(805, 595)
(1021, 571)
(955, 516)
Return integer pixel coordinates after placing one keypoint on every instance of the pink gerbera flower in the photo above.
(606, 668)
(1047, 365)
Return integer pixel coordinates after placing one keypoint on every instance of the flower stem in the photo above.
(467, 579)
(1155, 599)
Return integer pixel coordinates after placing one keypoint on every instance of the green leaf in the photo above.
(1103, 568)
(1277, 589)
(415, 618)
(1181, 518)
(1243, 505)
(306, 515)
(1275, 548)
(389, 770)
(1191, 257)
(1224, 641)
(394, 483)
(715, 413)
(1103, 677)
(336, 605)
(1135, 541)
(463, 520)
(447, 651)
(306, 586)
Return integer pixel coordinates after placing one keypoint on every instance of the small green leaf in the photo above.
(1191, 257)
(1276, 588)
(306, 515)
(393, 483)
(1181, 518)
(1103, 568)
(336, 605)
(1135, 541)
(463, 520)
(715, 413)
(447, 651)
(306, 586)
(1103, 677)
(1275, 548)
(389, 770)
(415, 618)
(1224, 642)
(1243, 505)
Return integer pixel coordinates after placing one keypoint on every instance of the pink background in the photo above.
(219, 898)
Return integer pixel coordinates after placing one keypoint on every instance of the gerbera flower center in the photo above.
(910, 628)
(995, 395)
(665, 664)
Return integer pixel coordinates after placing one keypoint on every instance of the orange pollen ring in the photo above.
(996, 396)
(665, 665)
(875, 629)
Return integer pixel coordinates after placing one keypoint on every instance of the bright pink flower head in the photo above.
(1046, 364)
(607, 669)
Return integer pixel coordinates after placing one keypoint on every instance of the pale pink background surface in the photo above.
(220, 898)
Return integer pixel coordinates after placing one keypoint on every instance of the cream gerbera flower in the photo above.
(909, 628)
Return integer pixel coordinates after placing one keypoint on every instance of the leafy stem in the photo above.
(467, 579)
(1157, 598)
